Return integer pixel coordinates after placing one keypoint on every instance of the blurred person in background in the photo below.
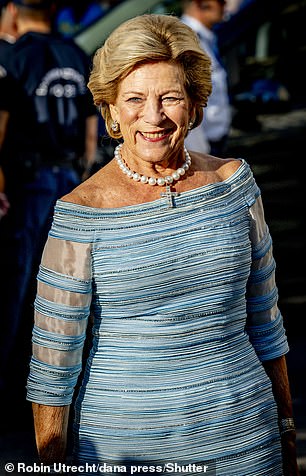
(8, 30)
(49, 126)
(8, 35)
(211, 136)
(73, 16)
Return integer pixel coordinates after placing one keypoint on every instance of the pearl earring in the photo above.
(190, 124)
(115, 126)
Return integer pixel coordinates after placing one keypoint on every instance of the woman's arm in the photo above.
(265, 327)
(50, 425)
(62, 308)
(276, 370)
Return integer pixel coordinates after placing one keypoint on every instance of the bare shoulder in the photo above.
(222, 169)
(227, 167)
(92, 192)
(81, 195)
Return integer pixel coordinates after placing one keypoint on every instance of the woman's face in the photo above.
(153, 110)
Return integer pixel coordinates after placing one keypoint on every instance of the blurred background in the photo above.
(263, 47)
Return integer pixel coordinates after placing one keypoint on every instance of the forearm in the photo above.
(4, 118)
(276, 369)
(50, 425)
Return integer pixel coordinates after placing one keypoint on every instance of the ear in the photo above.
(114, 112)
(192, 113)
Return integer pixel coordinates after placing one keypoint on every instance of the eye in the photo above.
(172, 99)
(134, 99)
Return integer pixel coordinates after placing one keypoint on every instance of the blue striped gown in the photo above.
(184, 308)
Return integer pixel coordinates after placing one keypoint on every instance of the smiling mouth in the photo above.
(155, 135)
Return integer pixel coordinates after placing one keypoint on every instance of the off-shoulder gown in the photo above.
(184, 307)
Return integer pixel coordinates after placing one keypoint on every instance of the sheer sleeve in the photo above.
(62, 307)
(264, 320)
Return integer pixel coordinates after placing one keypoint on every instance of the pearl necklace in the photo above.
(168, 180)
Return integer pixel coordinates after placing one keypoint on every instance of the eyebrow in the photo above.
(170, 91)
(127, 93)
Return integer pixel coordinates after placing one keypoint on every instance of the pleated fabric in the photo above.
(184, 306)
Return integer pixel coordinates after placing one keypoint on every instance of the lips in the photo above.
(155, 136)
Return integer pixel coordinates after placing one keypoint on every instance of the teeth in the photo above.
(153, 135)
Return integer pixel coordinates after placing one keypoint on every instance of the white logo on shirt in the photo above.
(76, 85)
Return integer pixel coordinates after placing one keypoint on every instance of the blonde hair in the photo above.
(145, 39)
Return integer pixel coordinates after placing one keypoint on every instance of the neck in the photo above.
(197, 15)
(151, 168)
(39, 27)
(167, 178)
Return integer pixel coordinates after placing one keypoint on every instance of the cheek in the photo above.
(181, 117)
(127, 116)
(183, 113)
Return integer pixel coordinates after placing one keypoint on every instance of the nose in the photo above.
(153, 112)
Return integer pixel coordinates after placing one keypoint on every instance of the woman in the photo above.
(171, 253)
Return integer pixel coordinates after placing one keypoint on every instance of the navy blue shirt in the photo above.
(5, 84)
(50, 100)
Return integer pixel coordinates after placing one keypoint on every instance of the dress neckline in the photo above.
(215, 188)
